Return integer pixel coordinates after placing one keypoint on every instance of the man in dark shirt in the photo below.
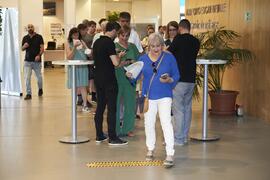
(91, 25)
(33, 44)
(105, 59)
(185, 48)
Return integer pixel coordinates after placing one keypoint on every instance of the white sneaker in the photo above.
(149, 156)
(168, 162)
(85, 109)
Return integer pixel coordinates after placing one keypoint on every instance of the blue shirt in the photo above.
(158, 89)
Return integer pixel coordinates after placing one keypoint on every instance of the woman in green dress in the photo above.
(126, 91)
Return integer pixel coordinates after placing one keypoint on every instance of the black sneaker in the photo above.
(27, 97)
(101, 139)
(117, 142)
(40, 92)
(94, 97)
(79, 100)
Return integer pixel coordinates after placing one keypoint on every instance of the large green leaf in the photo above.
(219, 44)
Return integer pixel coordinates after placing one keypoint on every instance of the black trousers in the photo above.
(106, 95)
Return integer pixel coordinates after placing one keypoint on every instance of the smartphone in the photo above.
(129, 60)
(164, 76)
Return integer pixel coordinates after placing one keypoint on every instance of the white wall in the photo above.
(118, 6)
(9, 3)
(170, 11)
(146, 11)
(47, 20)
(98, 8)
(83, 10)
(30, 11)
(31, 15)
(143, 11)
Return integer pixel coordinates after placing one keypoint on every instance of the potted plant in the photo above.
(113, 16)
(218, 44)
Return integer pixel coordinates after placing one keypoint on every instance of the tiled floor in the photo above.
(29, 147)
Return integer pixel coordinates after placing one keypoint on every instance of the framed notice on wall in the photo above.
(49, 8)
(56, 29)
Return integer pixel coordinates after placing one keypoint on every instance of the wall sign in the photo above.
(56, 29)
(218, 8)
(206, 17)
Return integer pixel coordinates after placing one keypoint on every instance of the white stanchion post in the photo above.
(205, 136)
(0, 92)
(74, 112)
(73, 139)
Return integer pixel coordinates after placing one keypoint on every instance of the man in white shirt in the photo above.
(102, 23)
(124, 19)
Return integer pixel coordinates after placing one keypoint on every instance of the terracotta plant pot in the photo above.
(223, 103)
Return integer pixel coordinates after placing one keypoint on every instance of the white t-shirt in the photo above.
(96, 37)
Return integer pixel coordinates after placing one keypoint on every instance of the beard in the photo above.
(30, 31)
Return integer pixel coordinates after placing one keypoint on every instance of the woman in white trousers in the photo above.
(160, 75)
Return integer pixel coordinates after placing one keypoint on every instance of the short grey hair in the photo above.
(155, 38)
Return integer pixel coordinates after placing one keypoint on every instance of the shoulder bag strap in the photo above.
(152, 78)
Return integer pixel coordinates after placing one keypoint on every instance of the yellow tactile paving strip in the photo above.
(124, 164)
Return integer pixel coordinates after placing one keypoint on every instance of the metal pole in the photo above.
(204, 135)
(73, 139)
(0, 92)
(74, 112)
(205, 101)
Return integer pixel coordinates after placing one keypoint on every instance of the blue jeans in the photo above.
(28, 66)
(182, 110)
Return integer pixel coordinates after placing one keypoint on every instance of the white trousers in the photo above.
(163, 107)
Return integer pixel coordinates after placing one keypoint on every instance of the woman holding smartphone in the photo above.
(126, 98)
(76, 51)
(160, 75)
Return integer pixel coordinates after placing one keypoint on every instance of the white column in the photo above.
(170, 11)
(90, 9)
(69, 15)
(30, 15)
(83, 10)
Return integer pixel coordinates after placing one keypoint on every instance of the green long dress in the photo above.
(126, 93)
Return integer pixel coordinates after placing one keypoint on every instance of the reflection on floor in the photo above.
(29, 147)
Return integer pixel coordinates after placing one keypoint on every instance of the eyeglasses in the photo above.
(154, 67)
